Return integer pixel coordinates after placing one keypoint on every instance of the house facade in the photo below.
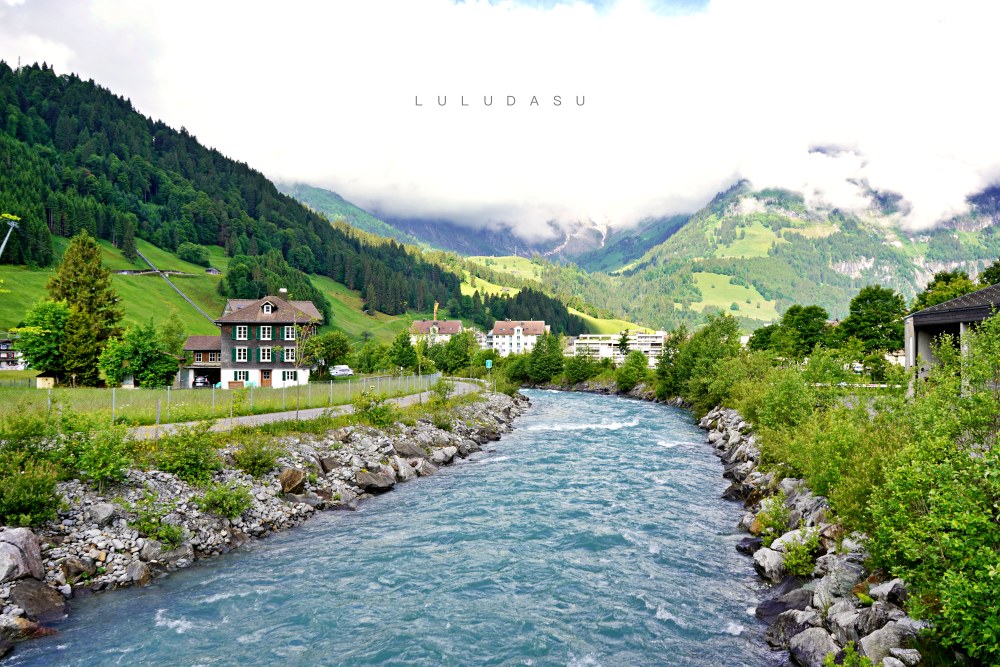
(206, 360)
(606, 346)
(259, 342)
(10, 358)
(515, 337)
(954, 317)
(434, 331)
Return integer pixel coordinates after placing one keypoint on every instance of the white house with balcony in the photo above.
(515, 336)
(606, 346)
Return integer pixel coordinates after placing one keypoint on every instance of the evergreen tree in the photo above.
(623, 343)
(545, 361)
(85, 285)
(81, 348)
(401, 352)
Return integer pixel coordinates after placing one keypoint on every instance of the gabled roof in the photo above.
(973, 307)
(203, 343)
(528, 327)
(251, 311)
(444, 327)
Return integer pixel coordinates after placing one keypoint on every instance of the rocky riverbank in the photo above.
(94, 544)
(839, 601)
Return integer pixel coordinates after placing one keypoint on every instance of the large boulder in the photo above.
(39, 601)
(878, 644)
(843, 625)
(810, 647)
(443, 455)
(404, 471)
(292, 480)
(374, 482)
(843, 576)
(425, 468)
(20, 555)
(908, 656)
(138, 573)
(770, 564)
(877, 615)
(797, 599)
(74, 569)
(410, 449)
(101, 513)
(893, 591)
(792, 537)
(790, 623)
(16, 628)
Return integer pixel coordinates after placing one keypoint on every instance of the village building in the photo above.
(515, 337)
(954, 317)
(434, 331)
(607, 346)
(10, 358)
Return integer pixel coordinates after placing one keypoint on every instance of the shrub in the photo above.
(374, 409)
(257, 456)
(800, 557)
(105, 455)
(633, 371)
(189, 452)
(228, 500)
(441, 390)
(773, 518)
(149, 519)
(27, 490)
(579, 369)
(442, 420)
(851, 658)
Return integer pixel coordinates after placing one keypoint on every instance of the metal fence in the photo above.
(151, 406)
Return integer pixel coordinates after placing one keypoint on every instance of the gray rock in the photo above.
(798, 599)
(788, 624)
(39, 601)
(102, 514)
(20, 555)
(425, 468)
(909, 626)
(874, 617)
(769, 564)
(151, 550)
(797, 536)
(877, 645)
(843, 625)
(440, 456)
(810, 647)
(892, 662)
(409, 449)
(181, 556)
(292, 480)
(138, 573)
(404, 471)
(908, 656)
(843, 576)
(329, 463)
(893, 591)
(16, 628)
(374, 482)
(74, 569)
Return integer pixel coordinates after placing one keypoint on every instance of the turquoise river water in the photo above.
(592, 535)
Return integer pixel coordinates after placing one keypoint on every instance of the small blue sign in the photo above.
(489, 363)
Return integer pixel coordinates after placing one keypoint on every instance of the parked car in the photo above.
(201, 381)
(341, 372)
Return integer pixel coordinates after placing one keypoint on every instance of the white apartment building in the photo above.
(515, 337)
(605, 346)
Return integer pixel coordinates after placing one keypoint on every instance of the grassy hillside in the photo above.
(626, 245)
(349, 317)
(718, 290)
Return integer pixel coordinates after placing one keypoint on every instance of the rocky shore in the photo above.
(94, 545)
(839, 601)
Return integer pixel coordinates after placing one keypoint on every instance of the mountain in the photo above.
(624, 244)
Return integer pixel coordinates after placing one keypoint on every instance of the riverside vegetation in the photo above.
(109, 509)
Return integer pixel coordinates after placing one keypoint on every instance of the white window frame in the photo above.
(267, 308)
(289, 376)
(197, 357)
(241, 376)
(265, 332)
(242, 352)
(290, 354)
(242, 331)
(265, 354)
(289, 333)
(214, 356)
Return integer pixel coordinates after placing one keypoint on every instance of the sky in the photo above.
(679, 99)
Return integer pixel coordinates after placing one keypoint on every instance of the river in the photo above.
(592, 535)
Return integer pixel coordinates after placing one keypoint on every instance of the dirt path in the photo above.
(227, 424)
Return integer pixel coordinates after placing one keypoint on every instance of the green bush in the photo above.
(441, 419)
(105, 455)
(579, 369)
(773, 518)
(228, 500)
(800, 557)
(851, 658)
(441, 390)
(632, 372)
(149, 519)
(27, 490)
(189, 452)
(257, 456)
(374, 409)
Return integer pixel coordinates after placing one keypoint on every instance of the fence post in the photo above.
(168, 403)
(309, 394)
(251, 399)
(282, 397)
(157, 432)
(348, 390)
(50, 399)
(331, 393)
(113, 405)
(213, 400)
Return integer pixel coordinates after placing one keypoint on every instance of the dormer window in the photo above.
(268, 308)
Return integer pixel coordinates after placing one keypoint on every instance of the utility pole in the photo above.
(11, 220)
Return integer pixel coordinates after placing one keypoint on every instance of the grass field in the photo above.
(138, 406)
(718, 290)
(519, 267)
(601, 326)
(814, 231)
(484, 287)
(346, 306)
(756, 242)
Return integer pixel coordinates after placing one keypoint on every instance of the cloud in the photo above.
(681, 99)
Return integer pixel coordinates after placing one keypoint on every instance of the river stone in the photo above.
(329, 463)
(181, 556)
(908, 656)
(74, 569)
(20, 555)
(878, 644)
(374, 482)
(798, 599)
(16, 628)
(102, 514)
(138, 573)
(770, 564)
(404, 471)
(409, 449)
(843, 625)
(891, 591)
(798, 536)
(892, 662)
(749, 545)
(843, 576)
(39, 601)
(292, 480)
(151, 550)
(810, 647)
(425, 468)
(788, 624)
(874, 617)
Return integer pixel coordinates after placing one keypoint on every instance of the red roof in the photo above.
(444, 327)
(528, 327)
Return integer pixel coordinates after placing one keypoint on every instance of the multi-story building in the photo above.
(607, 346)
(206, 361)
(434, 331)
(258, 342)
(515, 337)
(10, 358)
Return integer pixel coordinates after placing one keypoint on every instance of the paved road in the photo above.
(147, 432)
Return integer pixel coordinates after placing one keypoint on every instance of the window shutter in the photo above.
(232, 332)
(234, 354)
(256, 354)
(295, 376)
(281, 354)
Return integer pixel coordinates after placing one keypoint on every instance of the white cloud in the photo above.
(678, 105)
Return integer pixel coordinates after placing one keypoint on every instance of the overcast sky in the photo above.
(681, 99)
